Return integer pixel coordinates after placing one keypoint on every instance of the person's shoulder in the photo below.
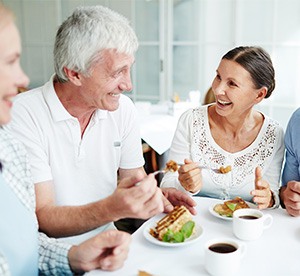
(273, 124)
(295, 116)
(192, 114)
(28, 96)
(10, 143)
(200, 112)
(293, 123)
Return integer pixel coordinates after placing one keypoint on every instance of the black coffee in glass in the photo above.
(248, 217)
(222, 248)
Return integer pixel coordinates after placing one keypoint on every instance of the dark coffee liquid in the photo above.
(248, 217)
(222, 248)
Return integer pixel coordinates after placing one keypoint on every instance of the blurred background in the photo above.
(181, 43)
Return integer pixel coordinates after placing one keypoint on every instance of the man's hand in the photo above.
(107, 250)
(175, 197)
(290, 195)
(262, 195)
(136, 197)
(190, 176)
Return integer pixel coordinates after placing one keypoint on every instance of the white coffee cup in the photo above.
(223, 256)
(249, 224)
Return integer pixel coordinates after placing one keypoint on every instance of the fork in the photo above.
(159, 171)
(201, 167)
(211, 169)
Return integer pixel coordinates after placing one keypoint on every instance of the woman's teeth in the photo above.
(223, 102)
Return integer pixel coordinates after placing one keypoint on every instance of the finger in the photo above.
(258, 176)
(261, 206)
(181, 198)
(130, 181)
(187, 200)
(263, 185)
(260, 193)
(260, 199)
(294, 186)
(113, 262)
(168, 207)
(262, 202)
(111, 238)
(146, 188)
(151, 207)
(188, 166)
(293, 212)
(187, 161)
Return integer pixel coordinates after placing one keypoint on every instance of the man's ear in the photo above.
(73, 76)
(261, 94)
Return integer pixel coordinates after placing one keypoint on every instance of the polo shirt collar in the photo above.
(57, 110)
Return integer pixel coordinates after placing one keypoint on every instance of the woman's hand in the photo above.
(262, 195)
(190, 176)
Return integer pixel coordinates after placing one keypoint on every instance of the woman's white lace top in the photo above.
(193, 140)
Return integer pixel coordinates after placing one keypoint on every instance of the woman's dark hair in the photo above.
(258, 63)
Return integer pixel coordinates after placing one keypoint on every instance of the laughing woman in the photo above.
(232, 133)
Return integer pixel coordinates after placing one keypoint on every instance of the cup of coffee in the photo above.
(249, 224)
(223, 256)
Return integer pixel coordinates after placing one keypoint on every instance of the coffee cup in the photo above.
(223, 256)
(249, 224)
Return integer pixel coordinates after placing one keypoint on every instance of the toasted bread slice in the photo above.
(173, 221)
(223, 210)
(229, 206)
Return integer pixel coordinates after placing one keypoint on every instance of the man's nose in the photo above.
(126, 83)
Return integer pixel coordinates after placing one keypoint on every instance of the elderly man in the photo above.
(82, 133)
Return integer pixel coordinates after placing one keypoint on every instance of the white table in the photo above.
(276, 253)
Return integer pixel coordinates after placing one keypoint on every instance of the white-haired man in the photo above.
(82, 133)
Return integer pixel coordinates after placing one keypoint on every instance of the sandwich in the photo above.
(228, 207)
(176, 226)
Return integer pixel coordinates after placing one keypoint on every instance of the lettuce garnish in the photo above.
(180, 236)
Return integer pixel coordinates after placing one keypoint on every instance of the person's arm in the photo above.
(290, 189)
(128, 200)
(53, 256)
(292, 152)
(106, 251)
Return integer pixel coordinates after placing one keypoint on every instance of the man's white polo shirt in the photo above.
(83, 169)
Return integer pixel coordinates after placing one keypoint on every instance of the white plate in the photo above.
(215, 214)
(198, 231)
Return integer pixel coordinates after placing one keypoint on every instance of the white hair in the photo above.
(83, 35)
